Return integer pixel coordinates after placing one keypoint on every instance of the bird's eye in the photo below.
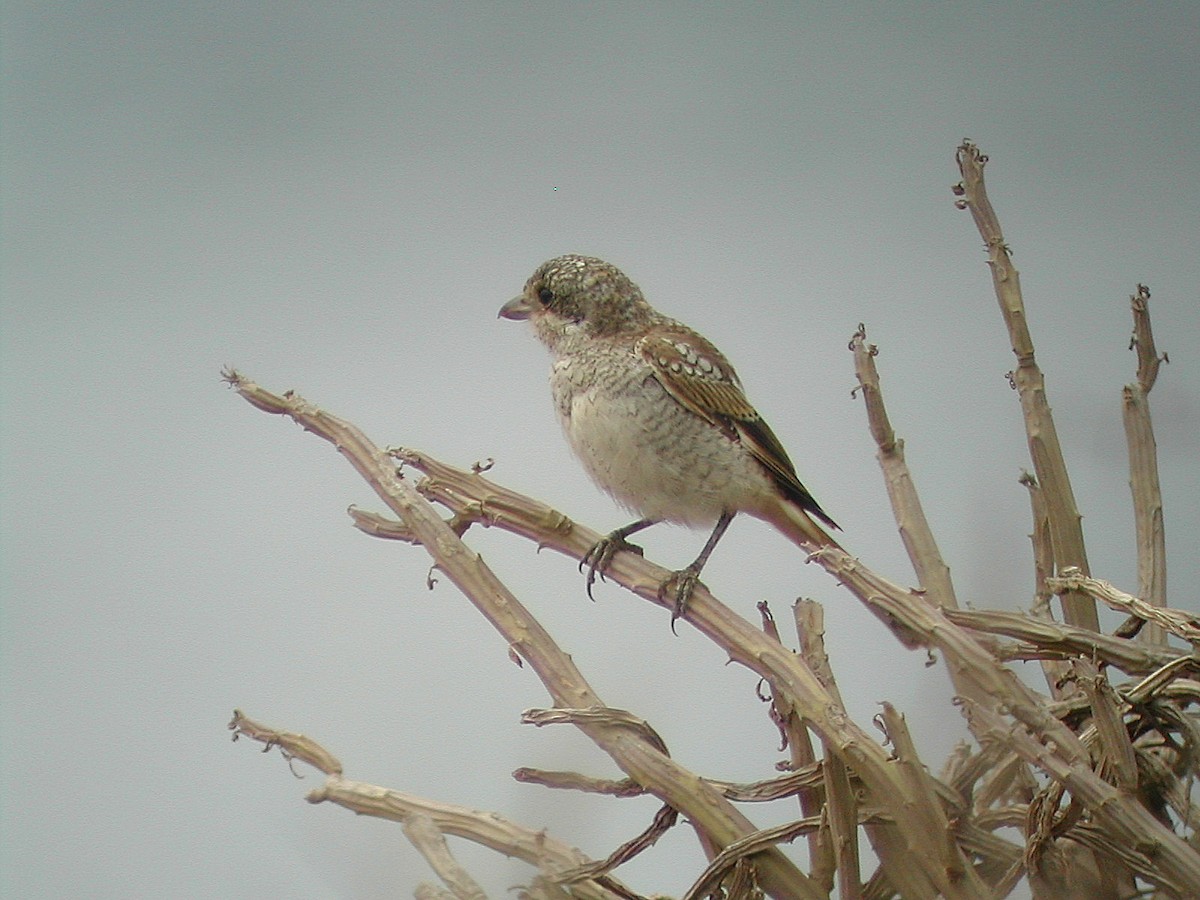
(546, 296)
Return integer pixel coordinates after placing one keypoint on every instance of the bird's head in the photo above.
(579, 295)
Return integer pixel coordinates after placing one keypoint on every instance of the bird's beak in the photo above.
(516, 308)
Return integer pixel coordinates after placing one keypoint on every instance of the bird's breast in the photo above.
(641, 446)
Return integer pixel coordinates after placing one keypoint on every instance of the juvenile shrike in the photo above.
(658, 417)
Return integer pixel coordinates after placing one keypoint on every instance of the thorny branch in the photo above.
(1097, 775)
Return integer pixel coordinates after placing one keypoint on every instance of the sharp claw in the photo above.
(600, 556)
(589, 560)
(593, 571)
(685, 581)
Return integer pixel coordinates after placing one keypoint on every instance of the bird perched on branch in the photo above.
(658, 417)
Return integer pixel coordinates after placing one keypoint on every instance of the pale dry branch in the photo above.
(604, 715)
(1123, 818)
(546, 889)
(756, 792)
(719, 868)
(1043, 549)
(429, 841)
(1142, 340)
(1000, 860)
(1159, 682)
(1044, 449)
(376, 525)
(291, 745)
(979, 779)
(839, 831)
(1044, 635)
(772, 788)
(932, 572)
(802, 756)
(1010, 783)
(837, 839)
(1118, 762)
(1159, 782)
(535, 847)
(843, 814)
(1054, 670)
(574, 781)
(664, 820)
(1179, 623)
(809, 617)
(1143, 465)
(506, 509)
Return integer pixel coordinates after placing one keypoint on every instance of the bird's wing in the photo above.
(699, 377)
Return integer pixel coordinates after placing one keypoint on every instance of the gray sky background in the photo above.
(337, 198)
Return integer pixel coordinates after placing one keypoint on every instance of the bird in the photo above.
(658, 418)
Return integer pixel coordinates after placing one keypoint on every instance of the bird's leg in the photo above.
(685, 580)
(603, 551)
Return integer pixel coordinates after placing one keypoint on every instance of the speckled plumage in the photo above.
(654, 411)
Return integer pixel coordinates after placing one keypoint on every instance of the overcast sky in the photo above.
(337, 198)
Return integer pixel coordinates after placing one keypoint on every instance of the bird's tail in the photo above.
(799, 527)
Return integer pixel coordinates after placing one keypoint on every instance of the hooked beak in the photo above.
(516, 308)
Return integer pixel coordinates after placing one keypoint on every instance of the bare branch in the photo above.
(293, 746)
(1066, 640)
(1176, 621)
(1118, 762)
(1044, 448)
(488, 829)
(423, 834)
(1143, 465)
(842, 810)
(840, 831)
(1142, 340)
(720, 867)
(426, 891)
(1053, 671)
(573, 781)
(664, 820)
(932, 572)
(772, 788)
(802, 756)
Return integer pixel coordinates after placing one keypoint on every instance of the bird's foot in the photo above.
(678, 588)
(600, 556)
